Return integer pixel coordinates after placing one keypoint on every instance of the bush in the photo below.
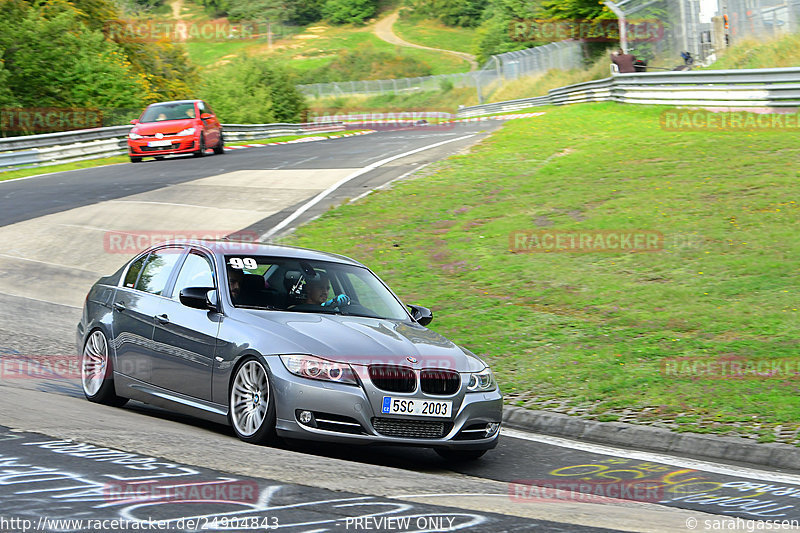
(366, 63)
(252, 91)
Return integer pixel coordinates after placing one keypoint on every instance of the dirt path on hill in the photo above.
(383, 30)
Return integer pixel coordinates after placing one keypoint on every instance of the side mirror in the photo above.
(422, 315)
(135, 121)
(204, 116)
(200, 298)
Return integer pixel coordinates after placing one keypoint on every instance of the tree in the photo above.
(579, 10)
(7, 98)
(494, 33)
(53, 59)
(349, 11)
(466, 13)
(575, 10)
(306, 11)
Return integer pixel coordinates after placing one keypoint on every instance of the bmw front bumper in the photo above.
(350, 414)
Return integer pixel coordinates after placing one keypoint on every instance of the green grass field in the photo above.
(436, 35)
(316, 46)
(591, 331)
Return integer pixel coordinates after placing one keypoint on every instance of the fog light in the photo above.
(306, 417)
(491, 428)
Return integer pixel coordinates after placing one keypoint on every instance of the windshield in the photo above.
(161, 112)
(259, 282)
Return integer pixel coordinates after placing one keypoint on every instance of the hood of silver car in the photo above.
(361, 340)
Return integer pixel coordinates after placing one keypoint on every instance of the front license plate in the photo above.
(416, 407)
(154, 144)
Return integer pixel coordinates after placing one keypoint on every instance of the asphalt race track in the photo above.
(62, 458)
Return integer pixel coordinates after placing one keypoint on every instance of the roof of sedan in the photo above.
(256, 248)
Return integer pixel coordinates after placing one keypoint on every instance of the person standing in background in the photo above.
(623, 61)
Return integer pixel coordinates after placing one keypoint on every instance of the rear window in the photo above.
(133, 272)
(162, 112)
(156, 271)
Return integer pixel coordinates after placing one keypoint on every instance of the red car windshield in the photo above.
(162, 112)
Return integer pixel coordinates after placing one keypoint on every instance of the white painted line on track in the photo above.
(318, 198)
(716, 468)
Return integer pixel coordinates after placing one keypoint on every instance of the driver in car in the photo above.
(236, 279)
(317, 293)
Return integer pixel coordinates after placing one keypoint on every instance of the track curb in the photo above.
(649, 438)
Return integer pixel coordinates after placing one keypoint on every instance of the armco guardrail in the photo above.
(66, 147)
(756, 88)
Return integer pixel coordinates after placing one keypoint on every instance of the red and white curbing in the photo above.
(499, 117)
(301, 140)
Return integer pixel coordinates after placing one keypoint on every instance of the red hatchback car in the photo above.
(179, 127)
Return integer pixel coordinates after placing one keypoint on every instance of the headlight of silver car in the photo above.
(308, 366)
(482, 381)
(187, 131)
(132, 135)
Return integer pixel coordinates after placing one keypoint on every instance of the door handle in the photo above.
(162, 319)
(119, 306)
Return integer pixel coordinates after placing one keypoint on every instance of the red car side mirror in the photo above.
(205, 116)
(135, 121)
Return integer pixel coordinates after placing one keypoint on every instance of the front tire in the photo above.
(251, 404)
(201, 151)
(219, 149)
(460, 456)
(96, 372)
(136, 159)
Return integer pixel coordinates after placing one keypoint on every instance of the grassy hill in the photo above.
(781, 52)
(305, 48)
(592, 332)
